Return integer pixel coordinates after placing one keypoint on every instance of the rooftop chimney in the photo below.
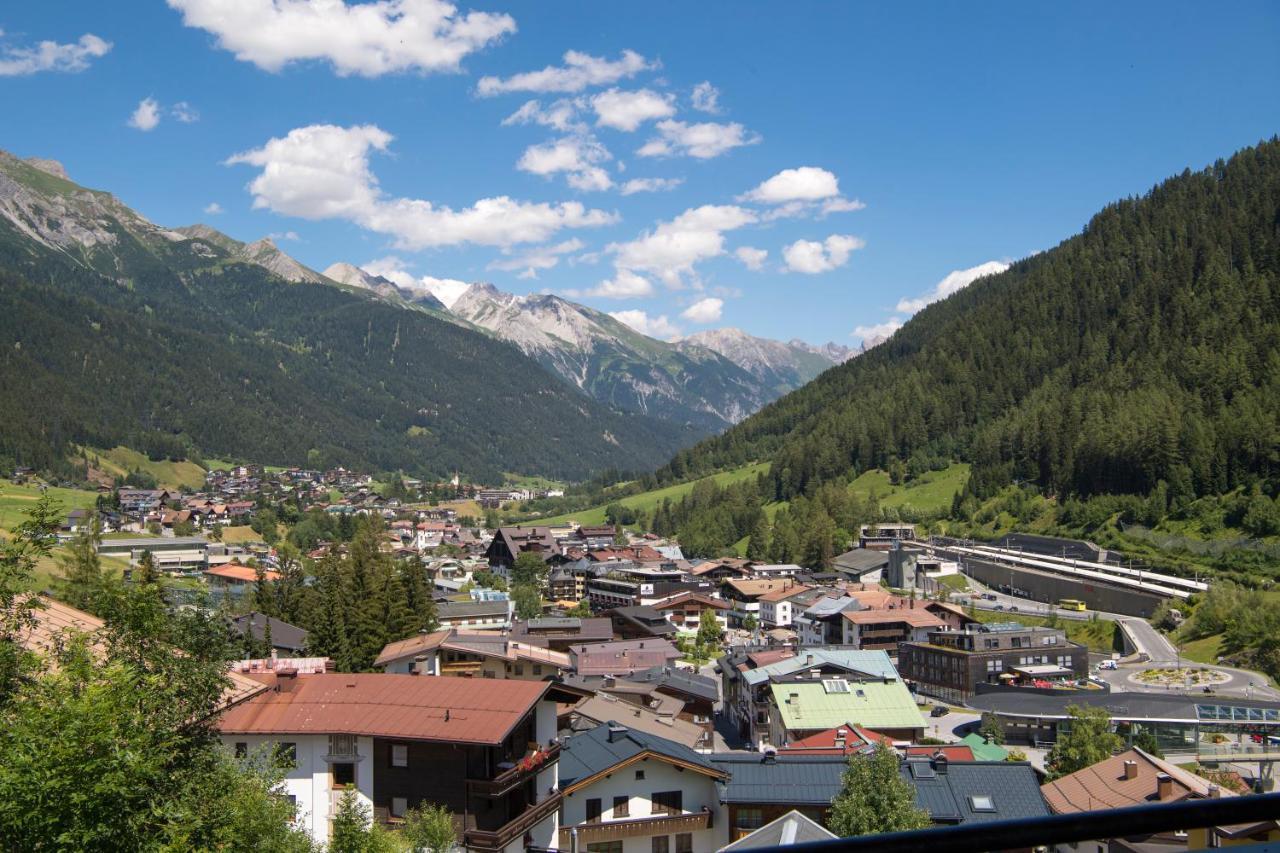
(616, 732)
(1164, 786)
(286, 679)
(419, 665)
(1131, 770)
(1214, 792)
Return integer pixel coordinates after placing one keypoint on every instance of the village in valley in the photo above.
(590, 687)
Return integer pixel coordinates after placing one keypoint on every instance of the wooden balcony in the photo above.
(510, 779)
(616, 830)
(485, 840)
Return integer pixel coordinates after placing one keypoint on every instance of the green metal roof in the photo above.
(870, 704)
(982, 750)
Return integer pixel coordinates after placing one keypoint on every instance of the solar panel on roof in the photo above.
(836, 685)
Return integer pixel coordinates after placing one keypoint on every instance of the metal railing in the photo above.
(509, 779)
(1131, 822)
(486, 840)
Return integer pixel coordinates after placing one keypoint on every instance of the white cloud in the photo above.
(184, 112)
(650, 185)
(213, 208)
(322, 172)
(447, 290)
(530, 263)
(623, 110)
(368, 39)
(577, 156)
(146, 116)
(580, 71)
(704, 310)
(51, 56)
(706, 98)
(752, 258)
(703, 141)
(812, 257)
(654, 327)
(560, 114)
(954, 281)
(671, 250)
(624, 285)
(877, 333)
(801, 191)
(291, 236)
(806, 183)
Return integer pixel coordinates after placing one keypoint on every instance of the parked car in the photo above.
(998, 607)
(1013, 608)
(939, 711)
(989, 596)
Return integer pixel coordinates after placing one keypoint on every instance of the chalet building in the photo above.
(951, 664)
(595, 536)
(471, 655)
(1135, 778)
(625, 790)
(885, 629)
(800, 706)
(687, 610)
(743, 596)
(484, 750)
(777, 607)
(510, 542)
(495, 614)
(621, 657)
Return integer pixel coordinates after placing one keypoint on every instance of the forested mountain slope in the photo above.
(1145, 349)
(118, 331)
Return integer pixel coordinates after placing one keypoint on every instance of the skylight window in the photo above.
(836, 685)
(982, 803)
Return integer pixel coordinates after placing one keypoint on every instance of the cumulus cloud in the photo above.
(801, 191)
(672, 249)
(367, 39)
(322, 172)
(751, 257)
(146, 116)
(703, 141)
(878, 333)
(706, 98)
(291, 236)
(625, 284)
(560, 115)
(447, 290)
(213, 208)
(626, 111)
(51, 56)
(529, 264)
(954, 281)
(812, 257)
(184, 112)
(654, 327)
(580, 71)
(650, 185)
(704, 310)
(578, 157)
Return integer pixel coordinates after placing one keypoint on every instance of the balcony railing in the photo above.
(615, 830)
(1029, 833)
(510, 779)
(490, 840)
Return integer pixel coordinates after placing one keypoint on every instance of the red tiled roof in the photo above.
(411, 707)
(772, 656)
(237, 572)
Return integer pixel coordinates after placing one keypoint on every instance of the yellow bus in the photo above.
(1071, 604)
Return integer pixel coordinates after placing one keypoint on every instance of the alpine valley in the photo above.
(216, 346)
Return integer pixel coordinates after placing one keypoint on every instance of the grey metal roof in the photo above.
(949, 794)
(679, 679)
(283, 635)
(789, 779)
(463, 609)
(1127, 706)
(872, 662)
(587, 753)
(861, 560)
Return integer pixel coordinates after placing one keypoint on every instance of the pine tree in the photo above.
(758, 542)
(83, 582)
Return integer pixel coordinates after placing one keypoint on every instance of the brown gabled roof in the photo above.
(1104, 786)
(413, 646)
(683, 597)
(408, 707)
(754, 588)
(54, 620)
(785, 593)
(919, 618)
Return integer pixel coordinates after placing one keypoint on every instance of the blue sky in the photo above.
(874, 152)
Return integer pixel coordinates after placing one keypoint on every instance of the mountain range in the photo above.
(672, 392)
